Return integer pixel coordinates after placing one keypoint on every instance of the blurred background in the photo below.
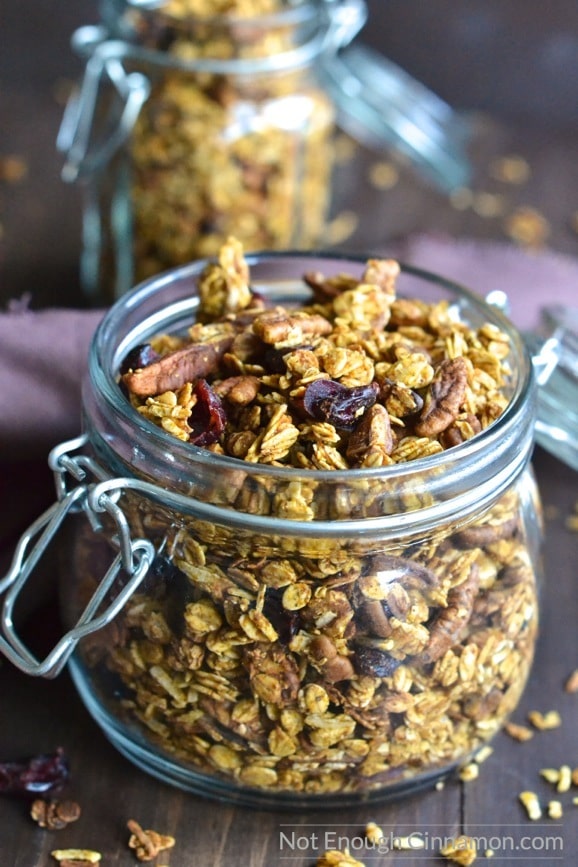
(515, 63)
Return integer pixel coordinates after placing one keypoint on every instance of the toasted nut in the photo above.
(54, 814)
(555, 810)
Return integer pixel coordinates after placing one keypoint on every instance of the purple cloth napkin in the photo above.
(43, 354)
(43, 358)
(530, 279)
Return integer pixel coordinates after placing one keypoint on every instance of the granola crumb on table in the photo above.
(462, 851)
(336, 858)
(299, 663)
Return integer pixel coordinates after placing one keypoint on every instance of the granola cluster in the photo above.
(215, 153)
(359, 378)
(304, 662)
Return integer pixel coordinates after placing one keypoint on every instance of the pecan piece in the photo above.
(372, 432)
(460, 431)
(451, 621)
(277, 326)
(372, 617)
(54, 815)
(481, 535)
(240, 390)
(176, 368)
(445, 396)
(333, 666)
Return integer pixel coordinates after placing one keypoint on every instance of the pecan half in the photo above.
(175, 369)
(239, 390)
(482, 534)
(54, 815)
(444, 398)
(447, 628)
(278, 327)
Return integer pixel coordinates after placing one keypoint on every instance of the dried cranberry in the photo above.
(38, 775)
(208, 418)
(374, 662)
(327, 400)
(139, 356)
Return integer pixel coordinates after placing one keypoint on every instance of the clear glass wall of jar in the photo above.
(304, 638)
(195, 122)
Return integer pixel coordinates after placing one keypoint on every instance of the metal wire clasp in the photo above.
(135, 557)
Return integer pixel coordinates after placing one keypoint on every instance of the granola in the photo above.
(292, 661)
(223, 150)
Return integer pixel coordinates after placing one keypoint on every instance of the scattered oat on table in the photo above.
(373, 832)
(545, 721)
(86, 856)
(518, 732)
(531, 804)
(335, 858)
(147, 844)
(461, 851)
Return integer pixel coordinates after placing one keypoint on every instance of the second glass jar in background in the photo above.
(190, 128)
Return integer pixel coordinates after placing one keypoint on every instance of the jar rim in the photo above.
(505, 444)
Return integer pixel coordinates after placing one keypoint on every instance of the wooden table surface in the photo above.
(40, 223)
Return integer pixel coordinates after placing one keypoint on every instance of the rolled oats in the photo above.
(531, 804)
(462, 851)
(545, 721)
(337, 858)
(81, 856)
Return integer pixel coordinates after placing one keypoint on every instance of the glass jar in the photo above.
(282, 637)
(191, 128)
(187, 129)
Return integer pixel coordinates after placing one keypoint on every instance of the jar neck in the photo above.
(182, 28)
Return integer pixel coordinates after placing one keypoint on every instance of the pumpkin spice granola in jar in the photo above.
(197, 120)
(324, 465)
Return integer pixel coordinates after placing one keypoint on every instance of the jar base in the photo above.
(187, 779)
